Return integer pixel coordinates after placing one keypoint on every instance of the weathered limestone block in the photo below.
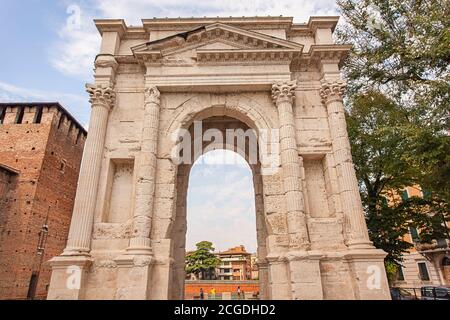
(326, 234)
(337, 283)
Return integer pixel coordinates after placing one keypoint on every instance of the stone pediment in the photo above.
(218, 43)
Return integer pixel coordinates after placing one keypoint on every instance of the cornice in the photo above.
(317, 53)
(314, 23)
(245, 23)
(250, 46)
(255, 55)
(248, 23)
(111, 25)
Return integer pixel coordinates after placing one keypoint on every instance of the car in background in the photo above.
(435, 293)
(401, 294)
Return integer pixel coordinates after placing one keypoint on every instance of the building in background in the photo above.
(41, 146)
(254, 267)
(236, 264)
(424, 264)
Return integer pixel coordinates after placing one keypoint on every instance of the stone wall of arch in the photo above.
(172, 228)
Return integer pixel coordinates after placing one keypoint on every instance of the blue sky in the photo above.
(45, 58)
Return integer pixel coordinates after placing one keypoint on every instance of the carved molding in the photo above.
(152, 95)
(108, 231)
(106, 61)
(101, 95)
(332, 90)
(282, 91)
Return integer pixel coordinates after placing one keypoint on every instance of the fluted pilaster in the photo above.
(332, 96)
(102, 99)
(146, 175)
(283, 94)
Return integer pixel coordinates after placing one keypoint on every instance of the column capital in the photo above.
(332, 90)
(100, 94)
(284, 91)
(152, 95)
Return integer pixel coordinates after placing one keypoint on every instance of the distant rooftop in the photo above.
(235, 250)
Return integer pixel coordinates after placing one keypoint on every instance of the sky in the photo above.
(47, 54)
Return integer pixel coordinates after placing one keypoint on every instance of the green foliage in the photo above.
(391, 270)
(398, 114)
(202, 260)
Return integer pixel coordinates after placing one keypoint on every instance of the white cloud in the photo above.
(74, 52)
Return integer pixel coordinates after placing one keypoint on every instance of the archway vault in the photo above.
(178, 228)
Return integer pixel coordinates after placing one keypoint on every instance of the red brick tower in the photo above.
(41, 146)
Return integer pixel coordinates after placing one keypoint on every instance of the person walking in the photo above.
(202, 294)
(239, 293)
(213, 293)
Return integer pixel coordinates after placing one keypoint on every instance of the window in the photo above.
(400, 275)
(404, 195)
(384, 202)
(414, 234)
(426, 194)
(423, 271)
(226, 270)
(19, 115)
(61, 120)
(2, 115)
(78, 136)
(38, 115)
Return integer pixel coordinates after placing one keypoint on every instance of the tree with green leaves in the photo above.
(398, 114)
(202, 261)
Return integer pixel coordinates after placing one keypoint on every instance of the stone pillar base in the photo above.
(368, 274)
(279, 286)
(133, 277)
(69, 276)
(263, 280)
(304, 269)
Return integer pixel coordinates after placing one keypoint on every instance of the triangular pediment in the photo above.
(218, 41)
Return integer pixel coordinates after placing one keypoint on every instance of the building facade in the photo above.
(41, 146)
(424, 264)
(235, 265)
(268, 76)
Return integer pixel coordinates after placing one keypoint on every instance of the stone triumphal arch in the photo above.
(275, 80)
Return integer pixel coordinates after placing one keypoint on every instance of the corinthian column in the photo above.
(102, 99)
(283, 94)
(332, 96)
(146, 175)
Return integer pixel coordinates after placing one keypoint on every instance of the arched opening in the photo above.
(221, 210)
(223, 183)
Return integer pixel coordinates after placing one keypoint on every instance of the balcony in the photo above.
(434, 246)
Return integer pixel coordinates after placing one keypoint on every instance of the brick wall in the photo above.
(47, 156)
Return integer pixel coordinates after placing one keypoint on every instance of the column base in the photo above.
(279, 285)
(133, 277)
(69, 276)
(368, 274)
(76, 252)
(304, 269)
(263, 268)
(358, 244)
(140, 246)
